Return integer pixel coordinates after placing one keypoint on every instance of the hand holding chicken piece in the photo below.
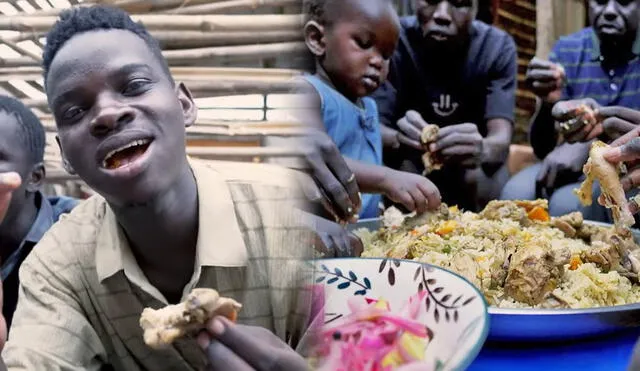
(164, 326)
(607, 174)
(429, 135)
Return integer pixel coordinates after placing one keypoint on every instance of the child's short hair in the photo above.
(324, 11)
(79, 20)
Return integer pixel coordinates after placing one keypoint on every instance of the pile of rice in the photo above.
(473, 237)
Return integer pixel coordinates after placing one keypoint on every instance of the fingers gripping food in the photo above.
(163, 326)
(430, 161)
(581, 116)
(608, 175)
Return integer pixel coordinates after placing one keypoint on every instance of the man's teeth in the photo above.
(139, 142)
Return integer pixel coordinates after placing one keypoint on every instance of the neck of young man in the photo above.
(15, 229)
(163, 235)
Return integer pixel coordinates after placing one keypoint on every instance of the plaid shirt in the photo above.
(82, 292)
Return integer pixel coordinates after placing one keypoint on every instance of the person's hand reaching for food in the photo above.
(545, 79)
(561, 167)
(413, 191)
(337, 189)
(237, 347)
(333, 240)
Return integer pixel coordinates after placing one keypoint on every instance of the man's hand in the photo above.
(545, 79)
(411, 126)
(333, 240)
(562, 166)
(413, 191)
(338, 190)
(627, 149)
(583, 130)
(9, 182)
(618, 121)
(459, 144)
(236, 347)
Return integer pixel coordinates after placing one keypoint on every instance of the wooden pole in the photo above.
(268, 22)
(230, 5)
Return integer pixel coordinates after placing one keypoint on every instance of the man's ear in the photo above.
(65, 163)
(189, 108)
(314, 34)
(36, 177)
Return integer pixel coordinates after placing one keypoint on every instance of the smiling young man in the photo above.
(459, 74)
(161, 224)
(600, 62)
(30, 213)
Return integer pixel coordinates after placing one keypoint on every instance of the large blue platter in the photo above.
(551, 324)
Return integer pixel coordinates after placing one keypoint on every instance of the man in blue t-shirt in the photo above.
(460, 74)
(601, 63)
(30, 213)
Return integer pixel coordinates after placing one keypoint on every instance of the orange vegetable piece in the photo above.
(447, 227)
(538, 213)
(574, 263)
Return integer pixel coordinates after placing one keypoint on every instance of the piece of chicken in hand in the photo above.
(163, 326)
(608, 175)
(430, 161)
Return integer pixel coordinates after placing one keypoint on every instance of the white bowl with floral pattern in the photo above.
(453, 309)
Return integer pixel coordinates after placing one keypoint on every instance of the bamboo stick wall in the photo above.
(219, 48)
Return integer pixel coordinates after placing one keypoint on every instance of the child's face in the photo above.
(358, 47)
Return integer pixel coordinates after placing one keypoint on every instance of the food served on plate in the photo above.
(430, 135)
(163, 326)
(517, 255)
(608, 175)
(581, 116)
(373, 337)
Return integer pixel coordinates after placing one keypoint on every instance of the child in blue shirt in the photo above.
(352, 42)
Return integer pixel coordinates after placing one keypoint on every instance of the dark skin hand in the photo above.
(627, 149)
(561, 167)
(337, 189)
(545, 79)
(614, 122)
(413, 191)
(460, 144)
(335, 241)
(565, 110)
(236, 347)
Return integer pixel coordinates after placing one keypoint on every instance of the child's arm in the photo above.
(413, 191)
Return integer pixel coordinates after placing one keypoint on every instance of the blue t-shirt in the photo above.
(589, 76)
(355, 131)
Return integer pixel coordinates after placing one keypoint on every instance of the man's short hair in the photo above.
(79, 20)
(30, 129)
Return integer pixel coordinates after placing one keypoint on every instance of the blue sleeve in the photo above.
(501, 91)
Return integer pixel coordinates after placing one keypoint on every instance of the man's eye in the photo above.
(136, 87)
(72, 113)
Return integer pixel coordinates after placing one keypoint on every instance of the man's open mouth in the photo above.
(126, 154)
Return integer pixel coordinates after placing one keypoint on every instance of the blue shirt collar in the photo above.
(44, 221)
